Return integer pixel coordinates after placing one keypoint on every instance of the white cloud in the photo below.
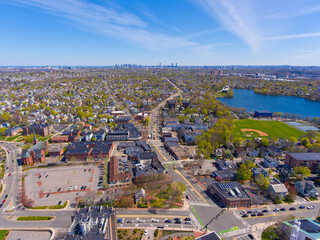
(293, 36)
(237, 16)
(296, 12)
(107, 21)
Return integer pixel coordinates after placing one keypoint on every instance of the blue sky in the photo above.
(187, 32)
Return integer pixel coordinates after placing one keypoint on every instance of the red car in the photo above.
(9, 174)
(187, 197)
(3, 201)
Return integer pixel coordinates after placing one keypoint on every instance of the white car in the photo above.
(70, 188)
(310, 207)
(155, 220)
(75, 187)
(142, 221)
(145, 232)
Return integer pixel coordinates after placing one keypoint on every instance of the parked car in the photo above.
(120, 220)
(276, 210)
(260, 214)
(249, 212)
(253, 215)
(177, 219)
(129, 221)
(142, 221)
(187, 197)
(145, 232)
(1, 205)
(3, 201)
(9, 174)
(155, 220)
(188, 222)
(250, 236)
(310, 207)
(59, 189)
(282, 209)
(265, 211)
(59, 202)
(6, 196)
(245, 215)
(292, 209)
(187, 219)
(302, 207)
(167, 221)
(178, 222)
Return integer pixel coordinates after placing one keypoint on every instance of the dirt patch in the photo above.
(263, 134)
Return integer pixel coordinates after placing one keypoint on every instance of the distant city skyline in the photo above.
(186, 32)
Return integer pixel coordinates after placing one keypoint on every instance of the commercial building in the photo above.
(310, 160)
(93, 223)
(230, 194)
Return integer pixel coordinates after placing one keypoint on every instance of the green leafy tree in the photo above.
(265, 142)
(301, 172)
(305, 141)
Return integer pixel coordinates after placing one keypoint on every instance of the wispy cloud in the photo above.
(293, 36)
(236, 16)
(305, 55)
(296, 12)
(107, 21)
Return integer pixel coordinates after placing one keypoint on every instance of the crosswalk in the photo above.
(199, 203)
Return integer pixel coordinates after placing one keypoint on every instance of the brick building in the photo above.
(36, 154)
(82, 150)
(310, 160)
(39, 129)
(230, 194)
(12, 131)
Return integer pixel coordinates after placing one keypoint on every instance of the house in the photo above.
(306, 188)
(276, 188)
(252, 152)
(311, 160)
(218, 152)
(224, 165)
(99, 135)
(270, 162)
(259, 170)
(140, 196)
(274, 151)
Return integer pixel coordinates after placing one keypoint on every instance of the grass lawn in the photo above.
(3, 234)
(274, 129)
(12, 138)
(128, 234)
(34, 218)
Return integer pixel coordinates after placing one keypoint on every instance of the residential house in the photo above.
(270, 162)
(306, 188)
(277, 189)
(259, 170)
(224, 175)
(274, 151)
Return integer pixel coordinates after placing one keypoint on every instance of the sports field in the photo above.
(247, 128)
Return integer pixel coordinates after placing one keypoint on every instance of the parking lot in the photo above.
(49, 186)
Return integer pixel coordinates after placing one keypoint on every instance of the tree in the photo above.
(244, 173)
(263, 182)
(301, 172)
(265, 142)
(147, 121)
(305, 141)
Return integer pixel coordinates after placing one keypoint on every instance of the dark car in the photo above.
(245, 216)
(302, 207)
(178, 222)
(167, 221)
(260, 214)
(187, 197)
(292, 208)
(253, 215)
(187, 219)
(59, 189)
(6, 196)
(265, 211)
(1, 205)
(249, 212)
(250, 236)
(177, 219)
(282, 209)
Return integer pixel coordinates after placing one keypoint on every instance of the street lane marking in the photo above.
(191, 186)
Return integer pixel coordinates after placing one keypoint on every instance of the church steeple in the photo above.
(35, 140)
